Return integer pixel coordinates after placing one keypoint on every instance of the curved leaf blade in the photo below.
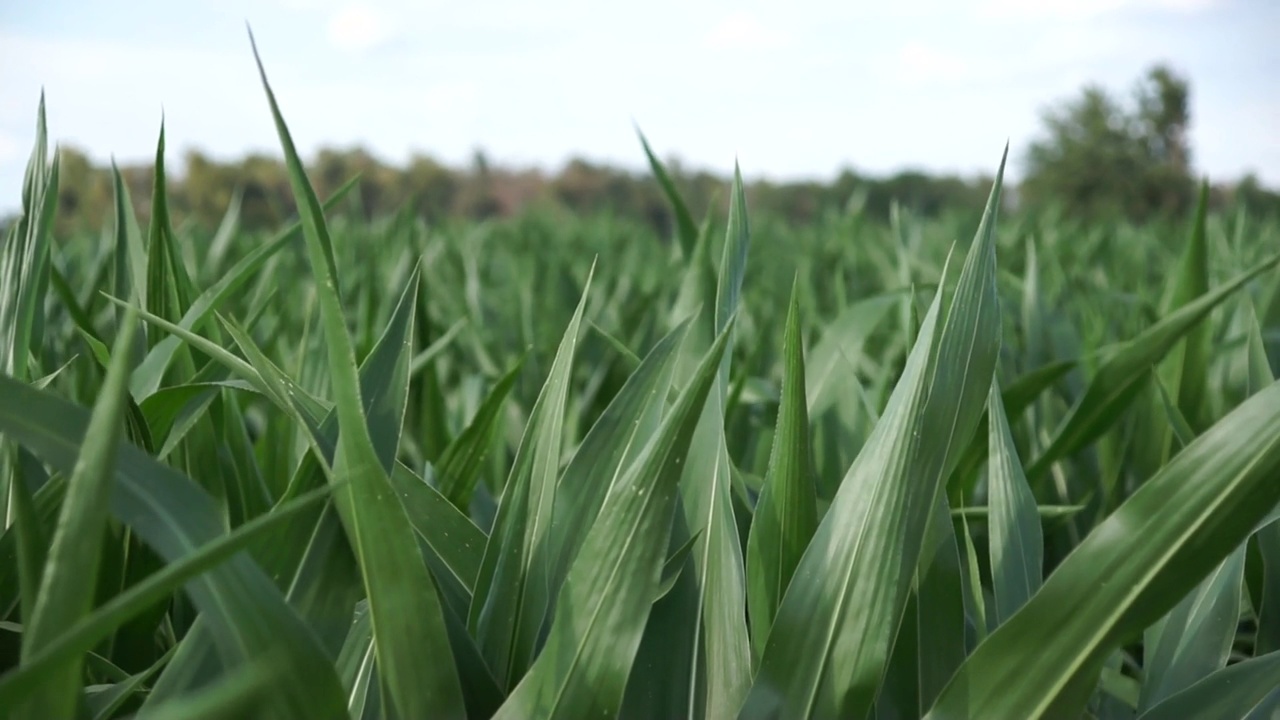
(604, 604)
(1128, 572)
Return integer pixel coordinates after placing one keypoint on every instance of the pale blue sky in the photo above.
(795, 89)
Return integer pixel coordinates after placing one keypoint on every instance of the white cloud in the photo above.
(1085, 9)
(356, 28)
(745, 31)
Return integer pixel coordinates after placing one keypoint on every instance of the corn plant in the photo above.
(560, 467)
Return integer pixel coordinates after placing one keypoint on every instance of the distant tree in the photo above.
(1099, 157)
(1250, 194)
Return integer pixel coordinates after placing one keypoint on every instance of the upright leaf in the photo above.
(786, 513)
(830, 644)
(71, 572)
(506, 615)
(1194, 640)
(1016, 539)
(606, 599)
(720, 642)
(414, 658)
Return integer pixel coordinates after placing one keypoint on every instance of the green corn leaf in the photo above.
(1119, 377)
(1268, 536)
(451, 535)
(1131, 570)
(842, 342)
(357, 668)
(719, 637)
(1194, 640)
(461, 462)
(786, 513)
(1249, 690)
(246, 615)
(150, 372)
(73, 561)
(414, 659)
(830, 644)
(609, 450)
(510, 603)
(106, 703)
(165, 275)
(80, 637)
(686, 228)
(1015, 538)
(245, 692)
(607, 596)
(1188, 370)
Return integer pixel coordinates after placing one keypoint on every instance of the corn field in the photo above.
(562, 467)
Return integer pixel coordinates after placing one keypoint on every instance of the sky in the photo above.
(789, 90)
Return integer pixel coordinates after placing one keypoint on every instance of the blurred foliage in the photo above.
(1098, 159)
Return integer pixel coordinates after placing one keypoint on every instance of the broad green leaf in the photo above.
(609, 450)
(830, 644)
(226, 232)
(451, 535)
(1015, 538)
(1128, 572)
(786, 513)
(1020, 394)
(459, 468)
(602, 608)
(841, 344)
(719, 638)
(1119, 377)
(1249, 690)
(1194, 640)
(672, 568)
(1268, 536)
(71, 570)
(937, 625)
(80, 637)
(976, 599)
(106, 703)
(246, 614)
(24, 270)
(412, 646)
(24, 259)
(246, 692)
(150, 372)
(166, 277)
(130, 279)
(510, 601)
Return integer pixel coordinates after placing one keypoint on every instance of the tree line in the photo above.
(1098, 156)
